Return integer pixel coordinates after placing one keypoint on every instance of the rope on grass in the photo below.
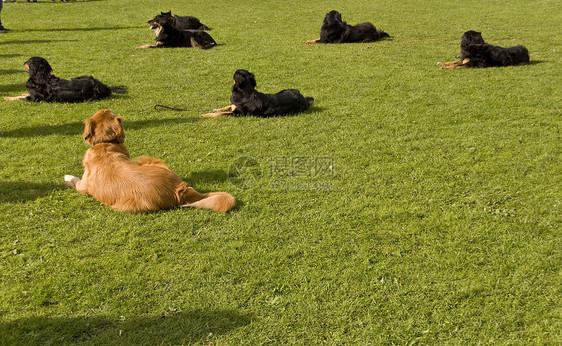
(157, 107)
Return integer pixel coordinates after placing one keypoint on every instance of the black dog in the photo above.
(182, 22)
(43, 86)
(247, 101)
(167, 35)
(477, 53)
(334, 30)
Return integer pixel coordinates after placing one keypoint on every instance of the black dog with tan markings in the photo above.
(167, 35)
(477, 53)
(335, 30)
(246, 100)
(43, 86)
(182, 22)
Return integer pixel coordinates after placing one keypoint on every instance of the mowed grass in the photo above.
(410, 205)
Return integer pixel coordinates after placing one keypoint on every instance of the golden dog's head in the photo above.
(104, 127)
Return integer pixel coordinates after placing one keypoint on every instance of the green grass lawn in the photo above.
(408, 206)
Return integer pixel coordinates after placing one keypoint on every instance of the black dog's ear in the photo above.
(472, 37)
(244, 79)
(338, 17)
(240, 77)
(332, 17)
(39, 69)
(168, 13)
(252, 80)
(479, 37)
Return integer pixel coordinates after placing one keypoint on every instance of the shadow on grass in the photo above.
(22, 191)
(206, 177)
(76, 128)
(180, 328)
(86, 29)
(9, 88)
(197, 179)
(10, 55)
(34, 41)
(12, 71)
(315, 109)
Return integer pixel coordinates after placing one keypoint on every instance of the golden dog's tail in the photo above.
(218, 201)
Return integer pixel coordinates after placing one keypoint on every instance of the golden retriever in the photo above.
(142, 185)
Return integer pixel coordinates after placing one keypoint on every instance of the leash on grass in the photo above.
(157, 107)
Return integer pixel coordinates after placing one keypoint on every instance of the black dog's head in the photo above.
(38, 68)
(163, 19)
(244, 80)
(471, 37)
(332, 17)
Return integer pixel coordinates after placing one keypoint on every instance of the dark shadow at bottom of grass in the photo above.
(34, 41)
(13, 88)
(22, 191)
(207, 177)
(76, 128)
(315, 109)
(177, 328)
(197, 179)
(11, 71)
(10, 55)
(110, 28)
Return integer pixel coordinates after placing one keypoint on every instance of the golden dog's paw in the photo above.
(71, 181)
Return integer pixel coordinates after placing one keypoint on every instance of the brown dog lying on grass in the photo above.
(142, 185)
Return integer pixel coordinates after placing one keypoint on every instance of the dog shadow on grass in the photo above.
(6, 56)
(23, 191)
(206, 177)
(76, 128)
(199, 327)
(88, 29)
(35, 41)
(12, 88)
(199, 179)
(12, 71)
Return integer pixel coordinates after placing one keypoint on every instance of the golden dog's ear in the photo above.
(104, 126)
(89, 128)
(117, 129)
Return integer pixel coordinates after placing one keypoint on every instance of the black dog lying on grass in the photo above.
(334, 30)
(167, 35)
(248, 101)
(477, 53)
(183, 22)
(43, 86)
